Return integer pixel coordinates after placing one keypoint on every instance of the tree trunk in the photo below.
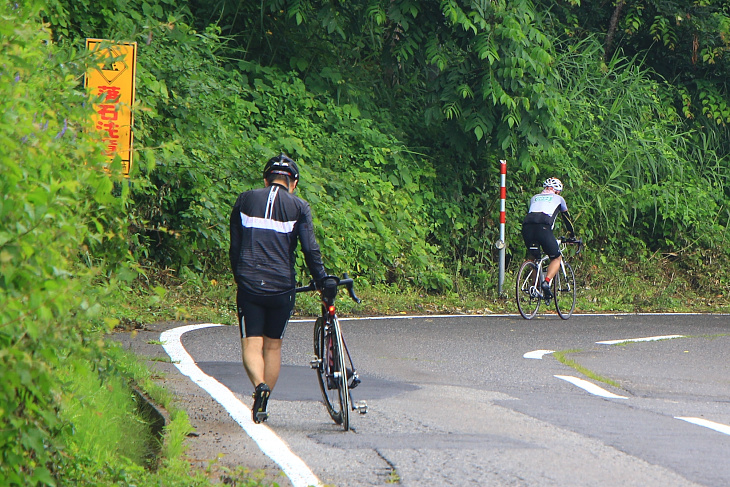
(612, 29)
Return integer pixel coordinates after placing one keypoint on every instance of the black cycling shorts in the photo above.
(537, 235)
(264, 315)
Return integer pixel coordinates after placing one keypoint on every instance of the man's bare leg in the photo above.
(253, 358)
(272, 361)
(553, 267)
(262, 359)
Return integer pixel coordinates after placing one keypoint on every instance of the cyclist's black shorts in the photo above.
(537, 235)
(264, 315)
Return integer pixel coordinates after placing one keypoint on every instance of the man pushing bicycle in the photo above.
(266, 226)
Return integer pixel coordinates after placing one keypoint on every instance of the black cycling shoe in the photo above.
(545, 287)
(260, 400)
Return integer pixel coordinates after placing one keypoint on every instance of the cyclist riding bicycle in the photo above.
(538, 224)
(266, 225)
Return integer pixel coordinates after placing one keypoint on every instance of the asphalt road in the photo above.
(454, 401)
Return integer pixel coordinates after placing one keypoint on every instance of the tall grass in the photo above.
(103, 422)
(638, 176)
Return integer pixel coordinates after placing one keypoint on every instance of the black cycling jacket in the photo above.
(266, 225)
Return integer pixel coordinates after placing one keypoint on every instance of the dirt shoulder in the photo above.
(218, 444)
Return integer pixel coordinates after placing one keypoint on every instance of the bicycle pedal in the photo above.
(315, 363)
(361, 407)
(261, 416)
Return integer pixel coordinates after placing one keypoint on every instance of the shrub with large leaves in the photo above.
(56, 206)
(207, 132)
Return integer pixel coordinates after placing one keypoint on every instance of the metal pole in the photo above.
(501, 244)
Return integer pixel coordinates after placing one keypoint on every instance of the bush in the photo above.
(56, 206)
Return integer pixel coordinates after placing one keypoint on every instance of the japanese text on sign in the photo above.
(112, 78)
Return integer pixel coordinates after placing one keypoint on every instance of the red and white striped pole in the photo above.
(501, 244)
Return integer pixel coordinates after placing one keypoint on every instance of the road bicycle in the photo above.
(336, 373)
(531, 275)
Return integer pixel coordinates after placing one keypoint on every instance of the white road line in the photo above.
(298, 472)
(537, 354)
(505, 315)
(590, 387)
(722, 428)
(646, 339)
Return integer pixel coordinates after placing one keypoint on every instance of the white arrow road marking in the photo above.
(722, 428)
(590, 387)
(537, 354)
(274, 447)
(646, 339)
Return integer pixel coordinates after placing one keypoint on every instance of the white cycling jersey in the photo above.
(545, 207)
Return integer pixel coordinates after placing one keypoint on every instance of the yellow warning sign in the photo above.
(111, 78)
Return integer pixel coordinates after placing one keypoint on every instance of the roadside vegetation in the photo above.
(398, 113)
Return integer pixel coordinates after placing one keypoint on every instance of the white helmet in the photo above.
(553, 183)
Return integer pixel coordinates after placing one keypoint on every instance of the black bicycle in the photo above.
(528, 292)
(332, 361)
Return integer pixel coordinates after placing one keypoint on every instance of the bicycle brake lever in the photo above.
(580, 245)
(351, 291)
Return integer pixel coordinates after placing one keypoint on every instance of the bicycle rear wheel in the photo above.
(526, 292)
(564, 291)
(325, 365)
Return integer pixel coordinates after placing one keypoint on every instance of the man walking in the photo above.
(266, 225)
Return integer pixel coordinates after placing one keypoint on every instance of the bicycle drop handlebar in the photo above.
(345, 280)
(572, 241)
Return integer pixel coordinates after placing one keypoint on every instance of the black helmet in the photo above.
(281, 164)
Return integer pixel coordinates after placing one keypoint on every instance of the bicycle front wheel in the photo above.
(526, 291)
(341, 374)
(564, 291)
(325, 365)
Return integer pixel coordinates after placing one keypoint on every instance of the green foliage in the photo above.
(207, 134)
(56, 207)
(101, 418)
(398, 113)
(105, 19)
(499, 82)
(636, 180)
(469, 83)
(683, 42)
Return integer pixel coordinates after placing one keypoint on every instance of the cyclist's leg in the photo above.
(532, 243)
(550, 246)
(272, 360)
(251, 319)
(278, 311)
(253, 358)
(262, 325)
(553, 267)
